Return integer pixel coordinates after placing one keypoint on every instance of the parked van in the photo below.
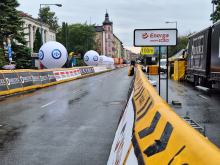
(163, 65)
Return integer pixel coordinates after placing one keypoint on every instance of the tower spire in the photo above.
(107, 21)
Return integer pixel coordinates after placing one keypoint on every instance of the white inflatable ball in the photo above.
(91, 58)
(53, 55)
(104, 60)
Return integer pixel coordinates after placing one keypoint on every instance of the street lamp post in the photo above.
(41, 21)
(167, 99)
(172, 22)
(214, 2)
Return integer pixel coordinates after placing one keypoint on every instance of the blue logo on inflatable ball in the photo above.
(95, 58)
(56, 54)
(86, 58)
(41, 55)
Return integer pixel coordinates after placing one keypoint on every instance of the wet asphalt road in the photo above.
(201, 107)
(69, 124)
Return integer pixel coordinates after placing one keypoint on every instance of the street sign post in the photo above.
(156, 37)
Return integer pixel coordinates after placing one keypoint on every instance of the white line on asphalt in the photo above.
(43, 106)
(203, 97)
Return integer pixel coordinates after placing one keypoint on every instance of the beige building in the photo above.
(100, 40)
(31, 25)
(132, 53)
(127, 54)
(118, 47)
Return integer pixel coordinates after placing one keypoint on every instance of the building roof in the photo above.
(178, 55)
(99, 28)
(117, 38)
(107, 21)
(29, 17)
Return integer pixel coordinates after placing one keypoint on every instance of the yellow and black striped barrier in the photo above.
(158, 135)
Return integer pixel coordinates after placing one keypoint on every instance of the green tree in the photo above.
(181, 44)
(11, 26)
(48, 17)
(22, 57)
(2, 58)
(78, 38)
(216, 15)
(37, 41)
(81, 38)
(62, 35)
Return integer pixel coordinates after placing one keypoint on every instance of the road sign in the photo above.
(155, 37)
(147, 51)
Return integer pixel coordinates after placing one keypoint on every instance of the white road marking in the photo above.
(43, 106)
(203, 97)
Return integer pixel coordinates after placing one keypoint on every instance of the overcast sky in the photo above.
(127, 15)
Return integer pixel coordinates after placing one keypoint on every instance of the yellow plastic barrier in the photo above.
(131, 71)
(20, 80)
(11, 88)
(161, 136)
(179, 70)
(153, 69)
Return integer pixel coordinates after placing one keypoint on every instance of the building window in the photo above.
(109, 36)
(109, 28)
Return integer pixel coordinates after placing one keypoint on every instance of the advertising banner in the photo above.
(36, 78)
(84, 71)
(3, 83)
(75, 73)
(12, 80)
(25, 78)
(51, 76)
(155, 37)
(44, 77)
(57, 75)
(123, 138)
(100, 69)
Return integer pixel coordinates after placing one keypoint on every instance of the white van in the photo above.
(163, 65)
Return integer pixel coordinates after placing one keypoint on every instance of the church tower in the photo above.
(108, 28)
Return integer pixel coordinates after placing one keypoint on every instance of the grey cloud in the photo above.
(192, 15)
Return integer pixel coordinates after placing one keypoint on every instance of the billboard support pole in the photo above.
(167, 95)
(159, 68)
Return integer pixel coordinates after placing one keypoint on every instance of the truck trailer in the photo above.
(203, 61)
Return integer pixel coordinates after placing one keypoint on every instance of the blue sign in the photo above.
(56, 54)
(86, 58)
(95, 58)
(41, 55)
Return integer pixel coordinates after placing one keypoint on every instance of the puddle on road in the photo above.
(9, 133)
(78, 98)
